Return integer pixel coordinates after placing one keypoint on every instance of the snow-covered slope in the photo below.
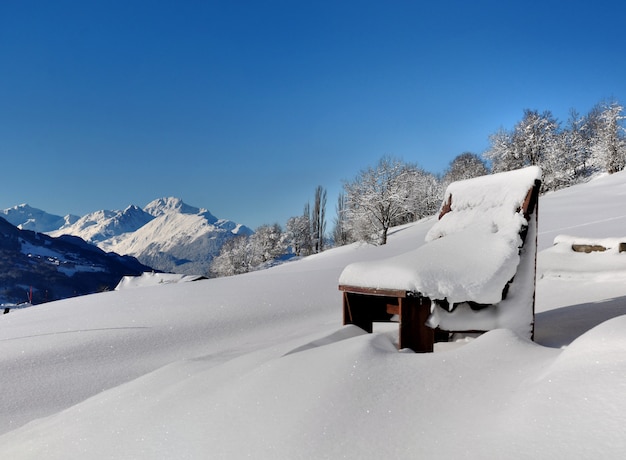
(167, 234)
(259, 366)
(99, 226)
(26, 217)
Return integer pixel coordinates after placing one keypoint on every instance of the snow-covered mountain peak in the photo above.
(101, 225)
(167, 234)
(26, 217)
(168, 205)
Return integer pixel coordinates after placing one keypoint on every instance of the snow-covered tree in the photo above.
(534, 136)
(501, 153)
(532, 139)
(266, 244)
(379, 198)
(243, 254)
(235, 258)
(578, 145)
(424, 194)
(609, 146)
(299, 234)
(465, 166)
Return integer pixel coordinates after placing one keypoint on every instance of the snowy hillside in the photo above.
(99, 226)
(259, 365)
(36, 268)
(167, 234)
(26, 217)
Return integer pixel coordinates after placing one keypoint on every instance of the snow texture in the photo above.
(258, 366)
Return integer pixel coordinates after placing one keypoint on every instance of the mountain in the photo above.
(26, 217)
(99, 226)
(38, 268)
(167, 234)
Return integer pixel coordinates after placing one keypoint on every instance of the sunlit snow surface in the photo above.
(259, 365)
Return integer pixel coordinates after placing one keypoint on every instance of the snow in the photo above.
(153, 279)
(489, 204)
(561, 261)
(259, 366)
(27, 218)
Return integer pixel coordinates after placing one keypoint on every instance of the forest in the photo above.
(394, 192)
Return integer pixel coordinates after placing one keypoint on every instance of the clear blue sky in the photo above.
(245, 107)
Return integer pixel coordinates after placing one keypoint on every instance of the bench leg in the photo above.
(356, 311)
(363, 310)
(414, 334)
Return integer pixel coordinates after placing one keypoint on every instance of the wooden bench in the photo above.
(476, 271)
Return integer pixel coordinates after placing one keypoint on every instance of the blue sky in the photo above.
(245, 107)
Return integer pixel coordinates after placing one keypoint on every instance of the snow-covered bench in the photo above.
(476, 271)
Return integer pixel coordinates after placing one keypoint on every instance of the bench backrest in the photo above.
(504, 204)
(494, 203)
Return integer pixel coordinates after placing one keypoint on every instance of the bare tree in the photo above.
(377, 199)
(534, 136)
(266, 244)
(528, 144)
(609, 145)
(341, 233)
(465, 166)
(243, 254)
(318, 220)
(501, 153)
(234, 258)
(299, 233)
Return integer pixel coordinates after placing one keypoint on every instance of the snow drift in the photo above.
(258, 365)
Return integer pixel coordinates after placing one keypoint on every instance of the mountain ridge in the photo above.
(166, 234)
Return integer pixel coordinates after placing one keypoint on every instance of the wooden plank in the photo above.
(530, 200)
(374, 291)
(414, 334)
(587, 248)
(446, 208)
(393, 308)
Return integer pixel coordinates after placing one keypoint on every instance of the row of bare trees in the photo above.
(304, 235)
